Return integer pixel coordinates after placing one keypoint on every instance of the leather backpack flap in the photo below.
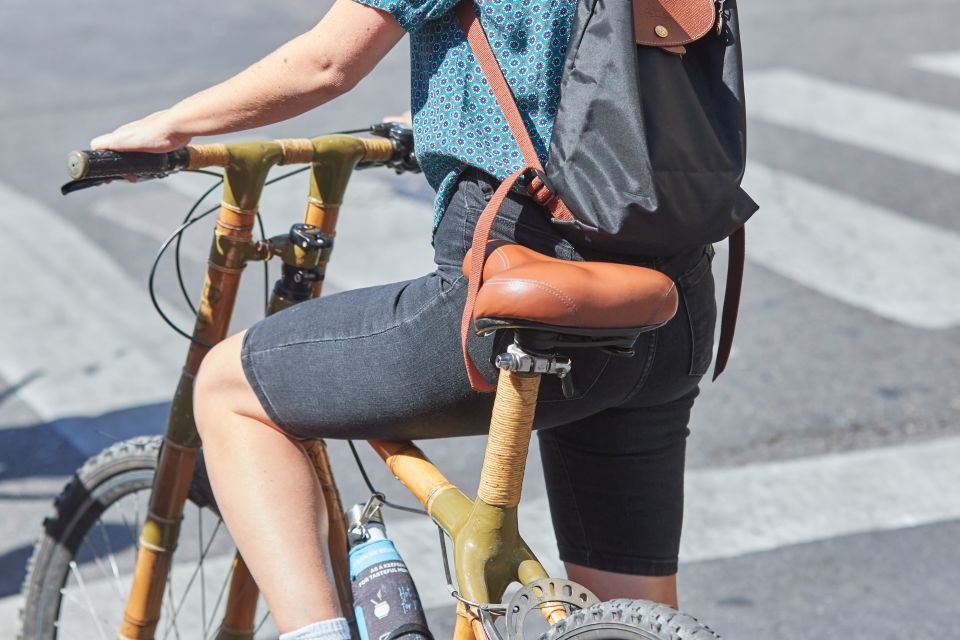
(670, 24)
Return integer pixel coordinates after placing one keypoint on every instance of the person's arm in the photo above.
(306, 72)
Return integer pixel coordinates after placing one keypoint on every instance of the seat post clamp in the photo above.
(517, 360)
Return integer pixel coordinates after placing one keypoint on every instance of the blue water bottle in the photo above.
(385, 600)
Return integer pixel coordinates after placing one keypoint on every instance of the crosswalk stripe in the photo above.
(98, 346)
(860, 254)
(735, 511)
(77, 332)
(945, 63)
(906, 129)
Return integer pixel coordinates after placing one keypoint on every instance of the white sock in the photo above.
(336, 629)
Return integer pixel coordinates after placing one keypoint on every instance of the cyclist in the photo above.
(385, 362)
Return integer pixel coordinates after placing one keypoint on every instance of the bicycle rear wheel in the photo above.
(629, 620)
(81, 570)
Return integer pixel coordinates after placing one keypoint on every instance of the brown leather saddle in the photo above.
(577, 303)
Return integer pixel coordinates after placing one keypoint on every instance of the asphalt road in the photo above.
(842, 393)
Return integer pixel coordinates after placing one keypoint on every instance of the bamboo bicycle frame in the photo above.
(489, 553)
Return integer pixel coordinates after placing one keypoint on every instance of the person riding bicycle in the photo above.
(385, 362)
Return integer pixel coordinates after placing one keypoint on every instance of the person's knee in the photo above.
(220, 385)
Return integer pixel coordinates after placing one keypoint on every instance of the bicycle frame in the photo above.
(489, 553)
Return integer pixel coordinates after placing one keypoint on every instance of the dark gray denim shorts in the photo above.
(385, 362)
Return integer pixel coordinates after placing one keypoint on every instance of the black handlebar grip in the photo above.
(115, 164)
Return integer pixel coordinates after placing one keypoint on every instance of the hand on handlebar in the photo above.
(153, 134)
(404, 118)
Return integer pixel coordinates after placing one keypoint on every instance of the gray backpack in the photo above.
(649, 144)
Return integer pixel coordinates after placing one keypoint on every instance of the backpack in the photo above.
(649, 144)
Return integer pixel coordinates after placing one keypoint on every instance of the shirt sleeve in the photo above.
(412, 14)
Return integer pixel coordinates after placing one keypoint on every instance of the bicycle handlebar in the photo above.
(92, 167)
(113, 164)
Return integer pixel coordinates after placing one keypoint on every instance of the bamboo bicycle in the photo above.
(94, 574)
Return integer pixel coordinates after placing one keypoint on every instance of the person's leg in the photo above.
(615, 485)
(266, 490)
(608, 585)
(615, 479)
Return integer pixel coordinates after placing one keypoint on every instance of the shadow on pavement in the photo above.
(57, 448)
(13, 566)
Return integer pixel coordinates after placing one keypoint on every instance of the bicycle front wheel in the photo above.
(629, 620)
(81, 571)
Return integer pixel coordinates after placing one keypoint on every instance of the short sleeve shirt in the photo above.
(456, 119)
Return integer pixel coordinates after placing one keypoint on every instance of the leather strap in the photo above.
(478, 256)
(480, 45)
(501, 90)
(731, 299)
(537, 187)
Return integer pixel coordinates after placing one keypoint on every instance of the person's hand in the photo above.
(154, 134)
(405, 118)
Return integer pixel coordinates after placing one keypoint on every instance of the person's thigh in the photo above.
(615, 486)
(381, 362)
(386, 362)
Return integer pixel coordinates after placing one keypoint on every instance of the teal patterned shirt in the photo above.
(456, 120)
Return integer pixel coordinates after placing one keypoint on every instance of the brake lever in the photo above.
(86, 183)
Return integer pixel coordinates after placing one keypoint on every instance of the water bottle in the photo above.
(385, 600)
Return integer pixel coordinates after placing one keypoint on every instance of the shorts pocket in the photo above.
(587, 367)
(696, 289)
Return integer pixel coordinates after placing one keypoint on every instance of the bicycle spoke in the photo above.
(132, 531)
(99, 574)
(223, 589)
(113, 560)
(256, 630)
(196, 571)
(203, 575)
(243, 592)
(173, 614)
(86, 595)
(96, 558)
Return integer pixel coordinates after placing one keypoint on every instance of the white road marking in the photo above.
(10, 616)
(75, 330)
(944, 62)
(98, 346)
(731, 512)
(735, 511)
(858, 253)
(924, 134)
(108, 209)
(102, 592)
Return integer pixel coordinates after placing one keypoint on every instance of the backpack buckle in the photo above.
(538, 187)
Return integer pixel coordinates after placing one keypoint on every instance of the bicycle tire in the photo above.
(625, 619)
(83, 522)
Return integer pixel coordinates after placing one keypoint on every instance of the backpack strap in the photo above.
(532, 171)
(480, 45)
(731, 299)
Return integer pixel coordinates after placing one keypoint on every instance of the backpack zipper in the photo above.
(720, 23)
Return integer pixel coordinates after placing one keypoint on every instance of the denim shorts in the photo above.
(385, 362)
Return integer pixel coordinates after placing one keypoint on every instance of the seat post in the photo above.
(501, 478)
